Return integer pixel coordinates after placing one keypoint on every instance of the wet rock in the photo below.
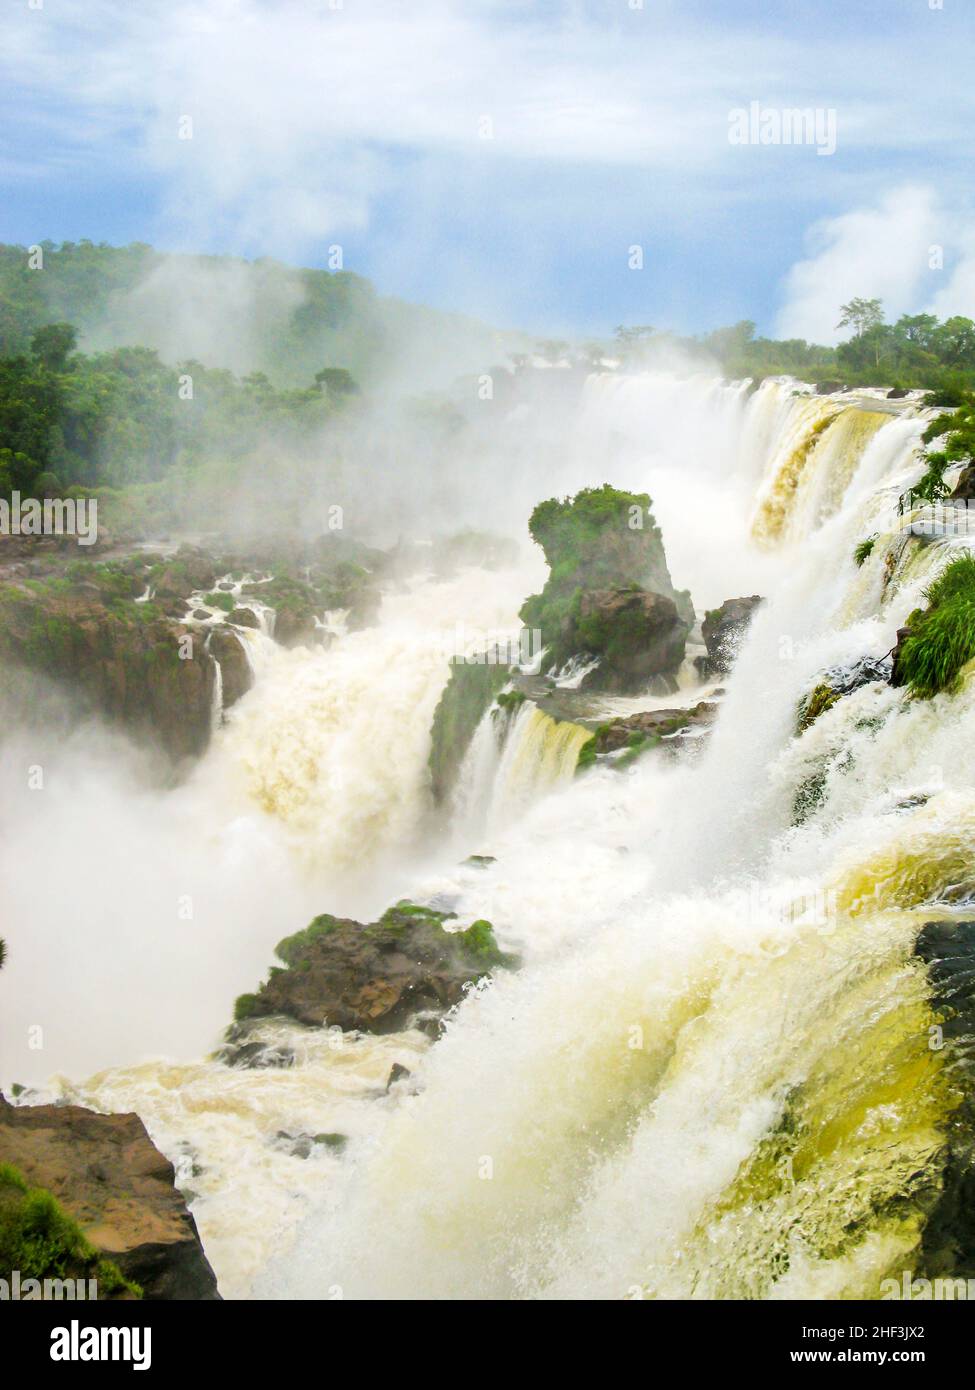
(898, 393)
(121, 660)
(639, 636)
(188, 570)
(226, 647)
(255, 1056)
(480, 861)
(673, 729)
(397, 1073)
(722, 631)
(108, 1175)
(466, 697)
(829, 388)
(608, 591)
(304, 1145)
(948, 950)
(838, 681)
(376, 978)
(244, 617)
(964, 490)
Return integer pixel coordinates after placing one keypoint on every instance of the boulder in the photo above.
(377, 977)
(638, 635)
(838, 681)
(636, 733)
(722, 631)
(244, 617)
(111, 1179)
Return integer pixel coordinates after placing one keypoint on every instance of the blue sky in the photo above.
(502, 157)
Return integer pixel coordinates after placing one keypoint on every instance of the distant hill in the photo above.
(247, 316)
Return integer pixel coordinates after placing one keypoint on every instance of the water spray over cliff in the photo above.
(711, 1076)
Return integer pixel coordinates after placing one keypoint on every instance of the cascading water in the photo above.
(711, 1075)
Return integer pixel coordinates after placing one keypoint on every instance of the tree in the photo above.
(861, 315)
(52, 344)
(337, 381)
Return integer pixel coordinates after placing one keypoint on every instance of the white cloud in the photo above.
(878, 252)
(304, 113)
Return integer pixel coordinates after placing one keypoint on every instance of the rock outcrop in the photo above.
(722, 631)
(106, 1174)
(622, 740)
(838, 681)
(119, 659)
(225, 647)
(468, 694)
(948, 950)
(377, 978)
(137, 642)
(609, 593)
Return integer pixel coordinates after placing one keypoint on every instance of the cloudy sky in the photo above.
(504, 156)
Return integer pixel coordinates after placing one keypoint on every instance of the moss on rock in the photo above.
(39, 1238)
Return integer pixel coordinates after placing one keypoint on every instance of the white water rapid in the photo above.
(710, 1076)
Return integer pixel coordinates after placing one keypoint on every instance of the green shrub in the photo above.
(291, 947)
(587, 755)
(245, 1006)
(221, 599)
(40, 1239)
(942, 638)
(864, 550)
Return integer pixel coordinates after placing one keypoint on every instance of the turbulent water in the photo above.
(711, 1076)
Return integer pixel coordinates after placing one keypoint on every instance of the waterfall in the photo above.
(712, 1075)
(722, 1087)
(216, 711)
(512, 761)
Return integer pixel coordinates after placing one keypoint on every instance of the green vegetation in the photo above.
(510, 700)
(245, 1006)
(864, 550)
(480, 944)
(821, 698)
(291, 947)
(73, 424)
(957, 429)
(38, 1238)
(587, 755)
(468, 695)
(941, 639)
(220, 599)
(916, 352)
(601, 538)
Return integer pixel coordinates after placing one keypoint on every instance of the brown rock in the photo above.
(225, 646)
(109, 1176)
(639, 636)
(722, 631)
(374, 977)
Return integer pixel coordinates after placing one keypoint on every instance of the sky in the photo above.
(561, 166)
